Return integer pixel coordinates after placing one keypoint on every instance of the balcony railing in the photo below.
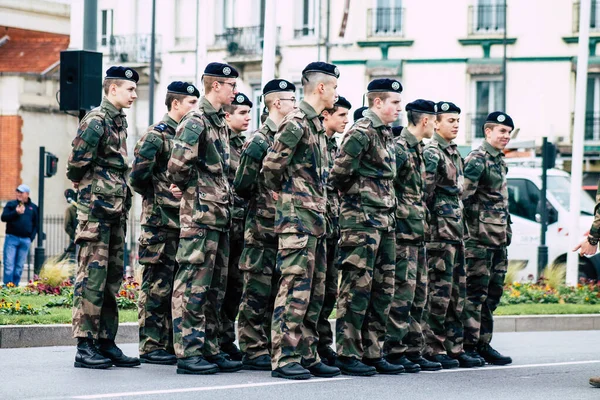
(475, 127)
(594, 17)
(243, 41)
(387, 22)
(133, 49)
(305, 31)
(486, 19)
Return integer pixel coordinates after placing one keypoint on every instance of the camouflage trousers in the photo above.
(99, 277)
(233, 291)
(405, 323)
(446, 299)
(301, 262)
(486, 269)
(198, 292)
(257, 265)
(367, 261)
(157, 250)
(331, 293)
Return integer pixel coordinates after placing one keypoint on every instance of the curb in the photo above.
(17, 336)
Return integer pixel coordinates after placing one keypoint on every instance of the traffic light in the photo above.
(549, 155)
(51, 164)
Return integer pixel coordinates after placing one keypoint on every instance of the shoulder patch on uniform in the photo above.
(356, 142)
(161, 127)
(151, 145)
(291, 133)
(474, 166)
(94, 131)
(257, 148)
(191, 132)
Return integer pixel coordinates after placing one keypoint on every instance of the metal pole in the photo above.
(578, 133)
(152, 66)
(504, 61)
(39, 255)
(269, 40)
(197, 75)
(327, 26)
(543, 249)
(90, 25)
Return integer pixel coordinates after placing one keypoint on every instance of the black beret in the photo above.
(359, 113)
(221, 70)
(384, 85)
(342, 102)
(185, 88)
(278, 85)
(125, 73)
(397, 130)
(445, 107)
(498, 117)
(323, 68)
(421, 106)
(241, 100)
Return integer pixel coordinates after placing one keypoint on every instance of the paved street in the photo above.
(548, 365)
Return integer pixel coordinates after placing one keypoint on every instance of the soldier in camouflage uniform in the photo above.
(257, 262)
(237, 116)
(296, 169)
(485, 197)
(334, 121)
(363, 173)
(160, 226)
(97, 166)
(445, 250)
(405, 341)
(199, 165)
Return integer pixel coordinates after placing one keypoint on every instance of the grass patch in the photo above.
(544, 309)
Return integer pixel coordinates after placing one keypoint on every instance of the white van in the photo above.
(524, 191)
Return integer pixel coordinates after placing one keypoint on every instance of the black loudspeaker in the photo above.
(80, 80)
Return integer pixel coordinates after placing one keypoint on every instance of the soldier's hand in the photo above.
(586, 249)
(176, 191)
(275, 195)
(20, 209)
(75, 185)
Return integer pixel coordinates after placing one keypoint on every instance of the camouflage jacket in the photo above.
(595, 229)
(411, 212)
(249, 183)
(443, 189)
(236, 142)
(333, 197)
(364, 173)
(296, 168)
(98, 161)
(148, 175)
(199, 166)
(485, 197)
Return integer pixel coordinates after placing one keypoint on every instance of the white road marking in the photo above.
(205, 388)
(496, 367)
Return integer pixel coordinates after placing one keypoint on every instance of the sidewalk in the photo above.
(12, 336)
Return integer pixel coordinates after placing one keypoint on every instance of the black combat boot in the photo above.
(260, 363)
(224, 363)
(328, 356)
(424, 363)
(234, 353)
(351, 366)
(400, 359)
(474, 354)
(291, 371)
(384, 367)
(322, 370)
(109, 349)
(445, 360)
(158, 356)
(88, 355)
(195, 365)
(492, 356)
(465, 361)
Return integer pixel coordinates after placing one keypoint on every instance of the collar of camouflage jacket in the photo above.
(444, 144)
(111, 110)
(377, 123)
(236, 138)
(331, 143)
(308, 110)
(490, 149)
(271, 125)
(216, 117)
(170, 122)
(410, 138)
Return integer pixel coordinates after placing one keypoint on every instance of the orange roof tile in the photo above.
(30, 51)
